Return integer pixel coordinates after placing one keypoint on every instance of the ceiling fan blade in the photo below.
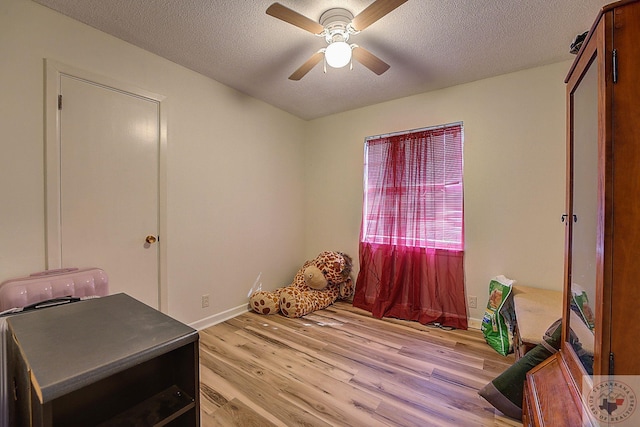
(373, 12)
(307, 66)
(369, 60)
(294, 18)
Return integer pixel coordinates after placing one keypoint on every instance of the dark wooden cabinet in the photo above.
(107, 361)
(602, 249)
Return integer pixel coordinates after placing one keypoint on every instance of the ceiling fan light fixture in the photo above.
(338, 54)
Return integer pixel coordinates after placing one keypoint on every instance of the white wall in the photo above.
(234, 193)
(514, 173)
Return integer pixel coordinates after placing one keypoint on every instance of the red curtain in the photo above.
(411, 240)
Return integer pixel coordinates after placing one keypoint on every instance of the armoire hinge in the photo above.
(611, 367)
(59, 102)
(614, 56)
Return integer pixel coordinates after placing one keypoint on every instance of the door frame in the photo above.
(54, 71)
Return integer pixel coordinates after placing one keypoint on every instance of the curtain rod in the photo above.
(404, 132)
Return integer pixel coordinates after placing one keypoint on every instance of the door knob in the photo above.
(151, 239)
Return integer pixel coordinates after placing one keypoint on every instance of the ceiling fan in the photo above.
(336, 26)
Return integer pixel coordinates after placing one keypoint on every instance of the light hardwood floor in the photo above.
(342, 367)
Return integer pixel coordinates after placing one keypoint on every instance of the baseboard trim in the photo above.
(199, 325)
(220, 317)
(474, 323)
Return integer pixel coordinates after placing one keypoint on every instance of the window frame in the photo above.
(413, 241)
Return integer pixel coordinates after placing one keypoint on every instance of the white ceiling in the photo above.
(430, 44)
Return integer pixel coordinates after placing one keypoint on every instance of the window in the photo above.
(412, 238)
(413, 192)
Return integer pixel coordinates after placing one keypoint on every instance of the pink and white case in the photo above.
(50, 284)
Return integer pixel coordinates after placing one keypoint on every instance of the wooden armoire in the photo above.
(581, 384)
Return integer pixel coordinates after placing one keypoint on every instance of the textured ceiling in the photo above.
(430, 44)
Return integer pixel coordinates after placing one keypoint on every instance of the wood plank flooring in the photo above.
(342, 367)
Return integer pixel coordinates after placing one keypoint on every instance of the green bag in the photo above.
(581, 301)
(494, 327)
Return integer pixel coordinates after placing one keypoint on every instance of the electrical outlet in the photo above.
(473, 302)
(205, 301)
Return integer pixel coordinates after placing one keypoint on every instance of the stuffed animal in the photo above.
(317, 285)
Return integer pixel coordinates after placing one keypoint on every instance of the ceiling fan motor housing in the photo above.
(337, 24)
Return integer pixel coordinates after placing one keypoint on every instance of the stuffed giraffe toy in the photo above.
(317, 285)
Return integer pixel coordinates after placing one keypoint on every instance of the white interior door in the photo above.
(109, 145)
